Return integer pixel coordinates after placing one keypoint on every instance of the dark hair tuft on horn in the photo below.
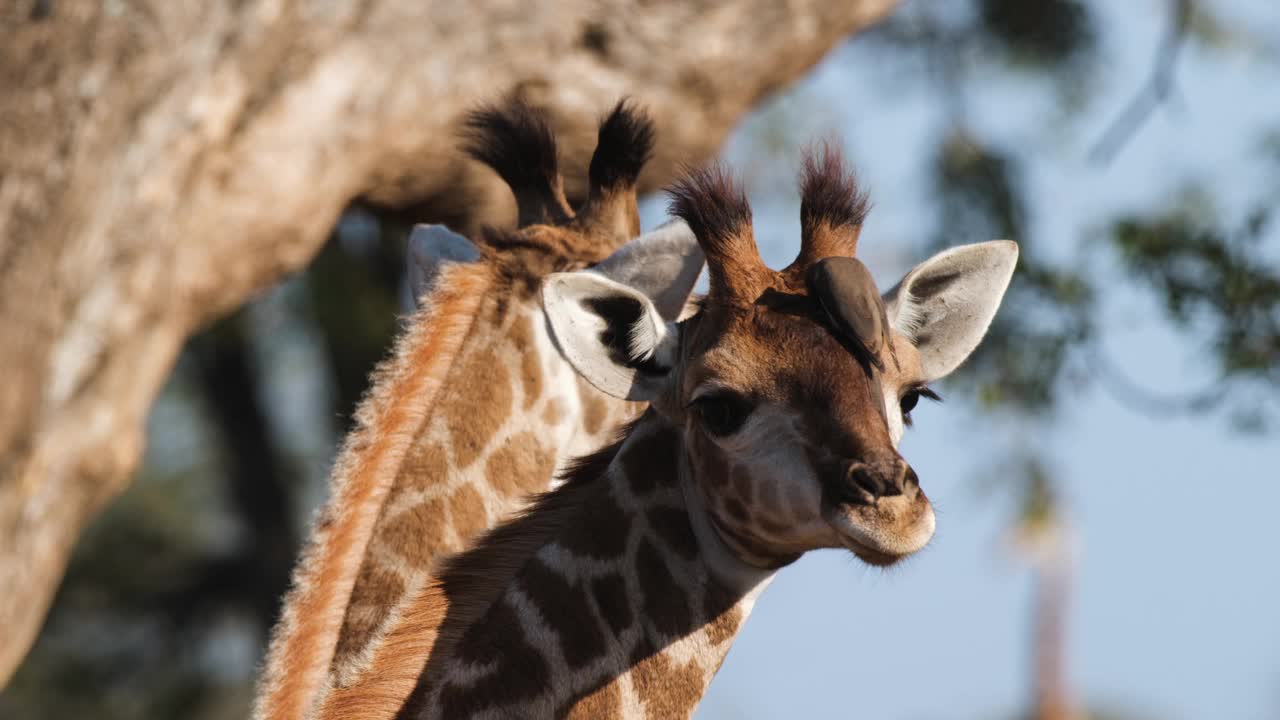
(516, 141)
(714, 206)
(829, 192)
(623, 146)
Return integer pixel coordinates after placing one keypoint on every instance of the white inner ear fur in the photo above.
(945, 304)
(430, 248)
(583, 306)
(663, 264)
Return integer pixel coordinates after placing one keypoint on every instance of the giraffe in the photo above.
(774, 419)
(477, 409)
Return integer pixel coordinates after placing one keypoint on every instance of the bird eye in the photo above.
(911, 398)
(722, 413)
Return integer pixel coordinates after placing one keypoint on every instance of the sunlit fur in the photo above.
(400, 498)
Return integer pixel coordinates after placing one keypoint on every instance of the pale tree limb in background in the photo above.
(160, 162)
(1154, 92)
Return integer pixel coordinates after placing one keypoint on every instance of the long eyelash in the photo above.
(924, 392)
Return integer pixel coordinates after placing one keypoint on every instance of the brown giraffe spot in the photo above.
(604, 702)
(521, 466)
(424, 466)
(719, 604)
(601, 530)
(672, 525)
(520, 672)
(669, 690)
(595, 409)
(475, 411)
(650, 460)
(466, 509)
(379, 589)
(724, 627)
(567, 610)
(417, 533)
(552, 412)
(736, 510)
(610, 595)
(530, 364)
(776, 528)
(664, 603)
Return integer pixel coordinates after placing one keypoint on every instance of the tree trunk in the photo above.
(162, 161)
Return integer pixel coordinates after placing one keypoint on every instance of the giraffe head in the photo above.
(792, 386)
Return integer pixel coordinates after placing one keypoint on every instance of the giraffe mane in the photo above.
(400, 399)
(464, 588)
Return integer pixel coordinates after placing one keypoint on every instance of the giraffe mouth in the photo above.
(869, 555)
(885, 531)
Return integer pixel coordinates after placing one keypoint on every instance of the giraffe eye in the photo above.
(722, 413)
(908, 402)
(911, 398)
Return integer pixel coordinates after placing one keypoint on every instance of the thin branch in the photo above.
(1155, 403)
(1152, 94)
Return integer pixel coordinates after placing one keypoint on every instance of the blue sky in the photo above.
(1174, 611)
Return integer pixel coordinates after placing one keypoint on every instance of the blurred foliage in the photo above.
(1219, 276)
(1044, 34)
(166, 606)
(980, 195)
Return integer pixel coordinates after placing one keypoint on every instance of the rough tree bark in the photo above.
(161, 161)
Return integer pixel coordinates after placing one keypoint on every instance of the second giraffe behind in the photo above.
(775, 415)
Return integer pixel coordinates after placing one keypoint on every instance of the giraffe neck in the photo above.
(510, 415)
(611, 597)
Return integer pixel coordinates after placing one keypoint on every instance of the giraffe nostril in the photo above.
(910, 483)
(910, 477)
(867, 480)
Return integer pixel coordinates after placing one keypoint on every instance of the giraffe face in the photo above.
(792, 387)
(793, 439)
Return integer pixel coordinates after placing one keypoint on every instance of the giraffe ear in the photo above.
(945, 304)
(430, 248)
(611, 333)
(662, 264)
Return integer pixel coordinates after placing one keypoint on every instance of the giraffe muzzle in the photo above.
(878, 510)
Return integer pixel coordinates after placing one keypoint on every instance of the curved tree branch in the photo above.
(161, 161)
(1154, 92)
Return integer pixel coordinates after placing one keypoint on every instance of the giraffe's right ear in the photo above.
(611, 333)
(663, 264)
(430, 248)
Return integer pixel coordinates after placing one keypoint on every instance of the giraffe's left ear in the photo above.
(611, 333)
(946, 303)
